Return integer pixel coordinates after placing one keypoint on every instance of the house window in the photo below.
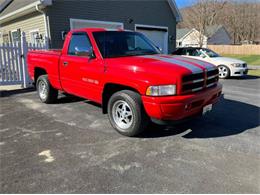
(15, 35)
(34, 36)
(6, 38)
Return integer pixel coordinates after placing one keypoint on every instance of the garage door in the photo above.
(159, 36)
(79, 23)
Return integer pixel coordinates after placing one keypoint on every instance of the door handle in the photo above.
(65, 63)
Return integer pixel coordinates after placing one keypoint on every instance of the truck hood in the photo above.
(226, 60)
(163, 66)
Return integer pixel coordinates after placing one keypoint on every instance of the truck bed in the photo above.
(47, 60)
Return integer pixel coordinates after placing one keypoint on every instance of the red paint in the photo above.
(87, 78)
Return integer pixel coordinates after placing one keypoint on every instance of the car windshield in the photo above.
(121, 43)
(210, 53)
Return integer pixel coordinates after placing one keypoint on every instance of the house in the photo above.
(214, 35)
(218, 35)
(186, 37)
(53, 18)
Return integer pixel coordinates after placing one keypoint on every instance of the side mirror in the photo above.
(159, 48)
(83, 52)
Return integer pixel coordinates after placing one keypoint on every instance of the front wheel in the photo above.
(224, 71)
(126, 113)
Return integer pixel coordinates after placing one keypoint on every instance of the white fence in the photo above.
(13, 64)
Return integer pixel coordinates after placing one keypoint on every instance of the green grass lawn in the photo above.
(249, 59)
(254, 72)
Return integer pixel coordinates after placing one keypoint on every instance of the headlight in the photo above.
(162, 90)
(237, 65)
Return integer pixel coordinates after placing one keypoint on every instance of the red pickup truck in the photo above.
(125, 73)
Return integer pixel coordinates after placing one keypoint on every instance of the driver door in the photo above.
(79, 71)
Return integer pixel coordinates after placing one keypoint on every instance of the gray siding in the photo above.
(153, 12)
(221, 37)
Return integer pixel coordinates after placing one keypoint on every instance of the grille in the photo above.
(199, 81)
(212, 78)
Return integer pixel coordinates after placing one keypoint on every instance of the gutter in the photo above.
(175, 10)
(25, 10)
(4, 4)
(46, 24)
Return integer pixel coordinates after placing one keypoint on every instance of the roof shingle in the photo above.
(210, 31)
(181, 32)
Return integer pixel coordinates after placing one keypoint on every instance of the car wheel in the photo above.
(224, 71)
(126, 113)
(46, 92)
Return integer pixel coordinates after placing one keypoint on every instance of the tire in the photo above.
(224, 72)
(46, 92)
(126, 113)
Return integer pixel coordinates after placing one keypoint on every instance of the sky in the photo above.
(184, 3)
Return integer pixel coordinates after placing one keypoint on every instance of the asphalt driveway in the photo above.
(70, 147)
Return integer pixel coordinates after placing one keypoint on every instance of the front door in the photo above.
(80, 74)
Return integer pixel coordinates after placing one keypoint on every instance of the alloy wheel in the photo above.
(223, 72)
(42, 87)
(122, 114)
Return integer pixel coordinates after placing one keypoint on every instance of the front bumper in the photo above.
(239, 71)
(176, 108)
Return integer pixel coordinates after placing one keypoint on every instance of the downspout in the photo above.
(46, 22)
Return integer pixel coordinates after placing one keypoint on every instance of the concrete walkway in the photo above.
(10, 87)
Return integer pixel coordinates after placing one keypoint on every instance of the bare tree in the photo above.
(202, 14)
(240, 17)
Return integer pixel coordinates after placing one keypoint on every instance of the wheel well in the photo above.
(38, 72)
(109, 90)
(222, 65)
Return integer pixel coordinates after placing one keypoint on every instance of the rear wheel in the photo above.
(126, 113)
(46, 92)
(224, 71)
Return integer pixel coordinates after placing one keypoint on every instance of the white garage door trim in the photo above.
(156, 27)
(73, 20)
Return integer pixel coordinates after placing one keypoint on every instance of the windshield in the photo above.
(121, 43)
(210, 53)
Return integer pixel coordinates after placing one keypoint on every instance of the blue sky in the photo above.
(184, 3)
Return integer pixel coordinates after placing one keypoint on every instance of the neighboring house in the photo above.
(53, 18)
(218, 35)
(214, 35)
(186, 37)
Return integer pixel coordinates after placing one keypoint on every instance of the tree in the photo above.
(201, 15)
(240, 17)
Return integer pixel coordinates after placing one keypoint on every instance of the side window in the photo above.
(178, 51)
(196, 52)
(79, 43)
(191, 52)
(184, 52)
